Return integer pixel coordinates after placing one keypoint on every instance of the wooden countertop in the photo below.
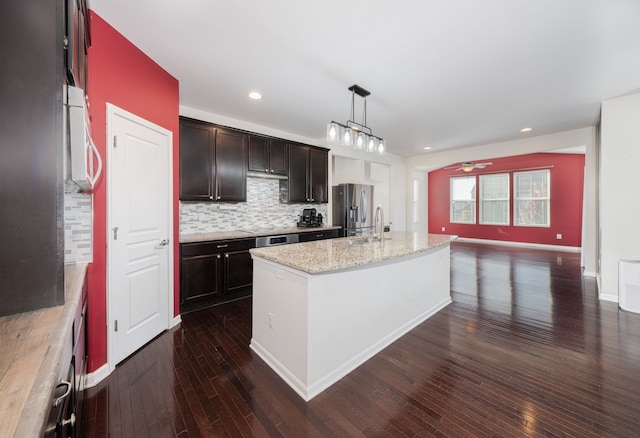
(348, 252)
(31, 347)
(242, 234)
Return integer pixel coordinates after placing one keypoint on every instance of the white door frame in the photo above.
(112, 111)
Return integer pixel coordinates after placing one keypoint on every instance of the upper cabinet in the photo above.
(213, 162)
(268, 156)
(308, 174)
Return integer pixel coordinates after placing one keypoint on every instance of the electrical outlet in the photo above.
(559, 236)
(443, 229)
(270, 315)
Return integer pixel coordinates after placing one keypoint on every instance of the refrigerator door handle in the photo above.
(363, 204)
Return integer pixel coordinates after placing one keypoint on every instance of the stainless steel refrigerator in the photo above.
(353, 209)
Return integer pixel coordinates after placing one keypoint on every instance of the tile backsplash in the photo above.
(262, 210)
(78, 215)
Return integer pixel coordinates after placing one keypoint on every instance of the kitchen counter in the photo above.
(247, 234)
(322, 308)
(348, 252)
(31, 346)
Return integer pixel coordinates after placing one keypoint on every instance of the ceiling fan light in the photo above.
(467, 166)
(333, 132)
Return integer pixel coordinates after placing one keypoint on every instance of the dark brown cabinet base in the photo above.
(214, 272)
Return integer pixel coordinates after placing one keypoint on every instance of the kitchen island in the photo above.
(321, 309)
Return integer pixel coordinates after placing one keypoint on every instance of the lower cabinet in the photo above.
(214, 272)
(317, 235)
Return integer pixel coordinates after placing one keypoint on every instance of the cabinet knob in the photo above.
(266, 170)
(218, 256)
(218, 197)
(226, 256)
(210, 196)
(271, 170)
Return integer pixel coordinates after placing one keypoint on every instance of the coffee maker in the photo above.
(310, 218)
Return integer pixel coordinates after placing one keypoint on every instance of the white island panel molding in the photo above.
(313, 329)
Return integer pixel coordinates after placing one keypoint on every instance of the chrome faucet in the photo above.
(379, 222)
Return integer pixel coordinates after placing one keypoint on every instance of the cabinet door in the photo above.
(231, 150)
(318, 166)
(196, 157)
(298, 173)
(200, 279)
(258, 154)
(238, 273)
(278, 157)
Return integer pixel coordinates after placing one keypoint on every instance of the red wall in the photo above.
(122, 75)
(567, 181)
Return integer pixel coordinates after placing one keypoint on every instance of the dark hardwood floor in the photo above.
(525, 349)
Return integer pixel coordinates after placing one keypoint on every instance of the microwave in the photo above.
(82, 162)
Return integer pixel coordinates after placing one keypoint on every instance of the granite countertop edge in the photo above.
(36, 408)
(242, 234)
(288, 257)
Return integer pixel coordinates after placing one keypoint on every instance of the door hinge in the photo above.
(115, 325)
(115, 141)
(115, 233)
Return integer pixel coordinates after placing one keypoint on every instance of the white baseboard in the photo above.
(589, 274)
(608, 297)
(176, 321)
(92, 379)
(521, 244)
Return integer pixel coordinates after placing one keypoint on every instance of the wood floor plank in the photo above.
(525, 349)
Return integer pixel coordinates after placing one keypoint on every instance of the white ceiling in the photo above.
(442, 73)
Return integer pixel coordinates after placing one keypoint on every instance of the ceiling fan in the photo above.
(468, 166)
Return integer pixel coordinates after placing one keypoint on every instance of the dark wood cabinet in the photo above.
(308, 170)
(214, 272)
(31, 168)
(318, 169)
(268, 156)
(317, 235)
(213, 163)
(231, 149)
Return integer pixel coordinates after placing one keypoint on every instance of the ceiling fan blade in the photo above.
(488, 163)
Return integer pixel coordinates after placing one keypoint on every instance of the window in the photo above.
(494, 199)
(463, 200)
(531, 198)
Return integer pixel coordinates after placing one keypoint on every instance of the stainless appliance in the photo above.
(353, 209)
(283, 239)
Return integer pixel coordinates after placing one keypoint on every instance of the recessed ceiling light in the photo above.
(255, 95)
(426, 148)
(526, 129)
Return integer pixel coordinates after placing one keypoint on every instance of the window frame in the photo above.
(452, 200)
(546, 198)
(507, 176)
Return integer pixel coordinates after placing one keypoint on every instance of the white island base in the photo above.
(313, 329)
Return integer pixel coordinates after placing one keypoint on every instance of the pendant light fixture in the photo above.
(353, 133)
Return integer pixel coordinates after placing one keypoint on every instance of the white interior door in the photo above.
(139, 184)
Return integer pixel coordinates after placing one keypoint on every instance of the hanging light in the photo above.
(354, 133)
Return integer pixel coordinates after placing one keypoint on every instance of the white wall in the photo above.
(619, 182)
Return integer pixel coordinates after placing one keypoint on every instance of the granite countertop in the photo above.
(31, 346)
(246, 234)
(348, 252)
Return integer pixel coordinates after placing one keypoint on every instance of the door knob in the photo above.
(162, 244)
